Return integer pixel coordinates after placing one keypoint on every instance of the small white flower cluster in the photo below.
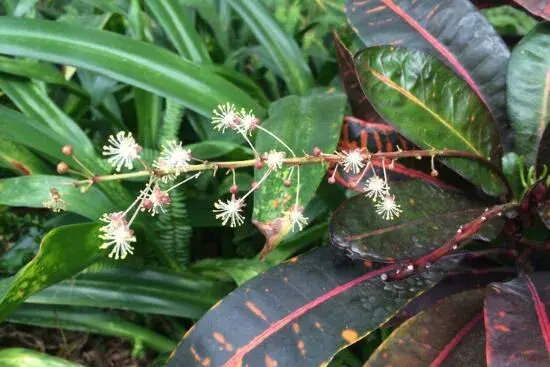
(376, 187)
(227, 116)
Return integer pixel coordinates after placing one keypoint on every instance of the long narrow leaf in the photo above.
(137, 63)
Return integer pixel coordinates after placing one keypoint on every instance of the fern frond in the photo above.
(173, 114)
(173, 230)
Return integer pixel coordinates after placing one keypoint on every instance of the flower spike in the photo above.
(353, 161)
(388, 208)
(274, 159)
(225, 116)
(118, 234)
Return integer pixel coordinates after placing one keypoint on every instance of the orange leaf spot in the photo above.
(501, 313)
(255, 310)
(270, 362)
(301, 346)
(350, 335)
(296, 328)
(502, 328)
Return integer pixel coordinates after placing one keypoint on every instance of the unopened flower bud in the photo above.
(287, 182)
(259, 163)
(62, 168)
(234, 189)
(331, 180)
(435, 173)
(67, 150)
(147, 204)
(316, 151)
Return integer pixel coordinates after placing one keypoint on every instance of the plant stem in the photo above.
(307, 159)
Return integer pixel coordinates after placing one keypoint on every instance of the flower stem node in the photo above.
(274, 159)
(122, 150)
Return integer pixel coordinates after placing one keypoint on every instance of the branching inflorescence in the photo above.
(175, 160)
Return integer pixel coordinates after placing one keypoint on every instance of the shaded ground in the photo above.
(86, 349)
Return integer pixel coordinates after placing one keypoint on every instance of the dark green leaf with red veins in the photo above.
(360, 105)
(430, 217)
(303, 123)
(298, 313)
(528, 91)
(539, 8)
(450, 333)
(454, 31)
(377, 137)
(458, 280)
(517, 322)
(432, 107)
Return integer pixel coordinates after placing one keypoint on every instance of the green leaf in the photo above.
(137, 63)
(239, 270)
(89, 321)
(509, 21)
(32, 191)
(432, 107)
(32, 69)
(430, 217)
(302, 123)
(450, 333)
(63, 252)
(17, 357)
(209, 149)
(179, 27)
(529, 90)
(148, 110)
(20, 160)
(36, 104)
(182, 294)
(303, 310)
(282, 48)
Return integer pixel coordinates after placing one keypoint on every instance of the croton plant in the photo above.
(457, 126)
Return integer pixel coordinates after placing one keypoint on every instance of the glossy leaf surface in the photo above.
(517, 322)
(450, 333)
(443, 29)
(137, 63)
(529, 91)
(432, 107)
(74, 246)
(430, 217)
(292, 315)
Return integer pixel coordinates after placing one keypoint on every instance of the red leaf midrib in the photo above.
(540, 310)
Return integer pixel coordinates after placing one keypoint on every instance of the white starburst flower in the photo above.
(173, 157)
(117, 233)
(297, 218)
(55, 201)
(248, 121)
(229, 211)
(353, 161)
(388, 208)
(122, 150)
(376, 188)
(274, 159)
(156, 201)
(225, 116)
